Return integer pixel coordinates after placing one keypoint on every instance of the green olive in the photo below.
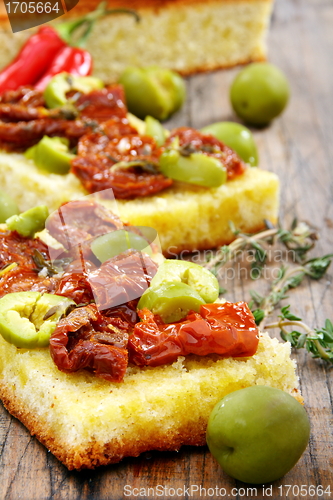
(30, 222)
(197, 168)
(197, 277)
(111, 244)
(51, 154)
(27, 319)
(153, 91)
(171, 300)
(156, 130)
(8, 207)
(173, 82)
(259, 93)
(237, 137)
(59, 85)
(258, 433)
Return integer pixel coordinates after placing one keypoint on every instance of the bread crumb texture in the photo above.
(86, 422)
(185, 217)
(187, 36)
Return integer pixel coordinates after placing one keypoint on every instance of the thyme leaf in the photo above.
(318, 341)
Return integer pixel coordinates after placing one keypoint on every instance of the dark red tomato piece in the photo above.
(229, 330)
(21, 135)
(124, 316)
(17, 113)
(125, 183)
(24, 279)
(78, 221)
(193, 141)
(122, 279)
(75, 286)
(98, 154)
(16, 248)
(150, 345)
(226, 329)
(25, 96)
(85, 339)
(101, 105)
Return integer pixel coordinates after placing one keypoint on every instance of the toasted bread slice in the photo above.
(186, 217)
(86, 422)
(185, 35)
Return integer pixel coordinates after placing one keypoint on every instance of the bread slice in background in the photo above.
(185, 35)
(186, 217)
(86, 422)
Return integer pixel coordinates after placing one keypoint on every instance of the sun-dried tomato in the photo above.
(23, 134)
(24, 279)
(19, 113)
(122, 279)
(86, 339)
(226, 329)
(75, 286)
(101, 105)
(79, 221)
(125, 183)
(193, 141)
(24, 120)
(99, 153)
(24, 96)
(124, 316)
(16, 248)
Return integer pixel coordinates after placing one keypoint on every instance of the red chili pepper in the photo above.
(50, 51)
(32, 60)
(73, 60)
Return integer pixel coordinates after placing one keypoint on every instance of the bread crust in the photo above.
(85, 6)
(96, 454)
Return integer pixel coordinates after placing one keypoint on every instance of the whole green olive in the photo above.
(237, 137)
(257, 434)
(153, 91)
(8, 207)
(259, 93)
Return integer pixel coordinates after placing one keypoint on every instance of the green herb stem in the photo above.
(311, 334)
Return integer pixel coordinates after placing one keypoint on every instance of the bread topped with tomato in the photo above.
(77, 366)
(114, 151)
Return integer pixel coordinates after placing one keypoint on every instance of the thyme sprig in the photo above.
(300, 238)
(318, 341)
(289, 277)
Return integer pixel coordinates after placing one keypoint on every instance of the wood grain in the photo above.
(299, 147)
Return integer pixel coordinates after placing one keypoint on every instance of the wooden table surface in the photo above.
(299, 147)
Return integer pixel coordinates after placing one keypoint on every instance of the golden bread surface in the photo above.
(185, 35)
(86, 422)
(185, 217)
